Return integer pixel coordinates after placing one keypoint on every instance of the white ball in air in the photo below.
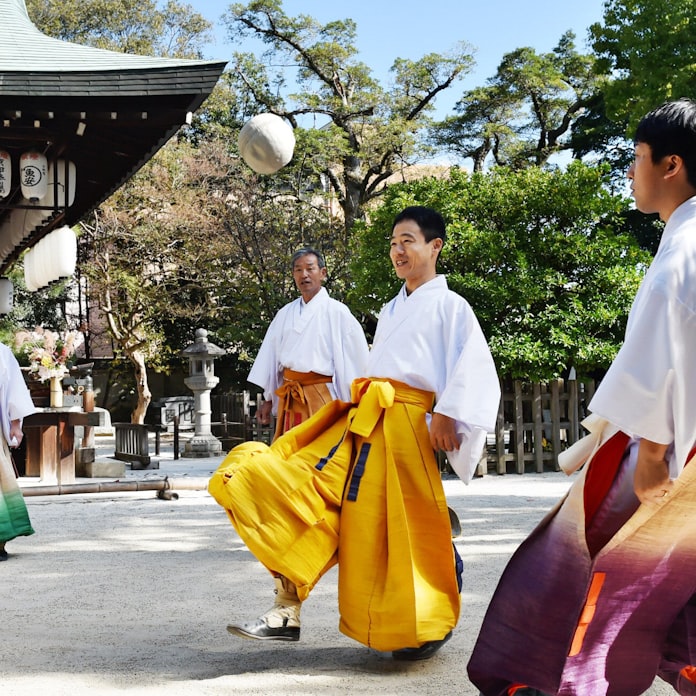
(266, 143)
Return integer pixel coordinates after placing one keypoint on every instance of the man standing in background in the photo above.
(313, 349)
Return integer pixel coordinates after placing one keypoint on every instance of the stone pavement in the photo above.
(127, 593)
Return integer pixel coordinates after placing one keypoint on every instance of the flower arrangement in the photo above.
(48, 352)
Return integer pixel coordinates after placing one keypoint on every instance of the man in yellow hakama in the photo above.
(365, 472)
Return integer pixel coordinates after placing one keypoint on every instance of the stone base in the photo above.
(103, 468)
(202, 446)
(137, 465)
(84, 455)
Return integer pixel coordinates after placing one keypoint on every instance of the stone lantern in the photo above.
(200, 381)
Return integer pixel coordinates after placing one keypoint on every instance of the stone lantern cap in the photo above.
(202, 348)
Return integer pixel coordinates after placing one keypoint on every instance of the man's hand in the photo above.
(263, 413)
(15, 433)
(443, 435)
(651, 481)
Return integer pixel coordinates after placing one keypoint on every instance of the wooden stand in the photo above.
(50, 440)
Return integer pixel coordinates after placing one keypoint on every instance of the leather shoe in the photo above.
(4, 555)
(260, 630)
(424, 652)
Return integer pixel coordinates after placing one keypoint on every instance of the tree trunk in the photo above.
(144, 393)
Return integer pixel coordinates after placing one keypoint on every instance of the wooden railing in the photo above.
(132, 444)
(537, 421)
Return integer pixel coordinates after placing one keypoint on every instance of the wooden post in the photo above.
(519, 428)
(501, 467)
(555, 421)
(573, 408)
(537, 414)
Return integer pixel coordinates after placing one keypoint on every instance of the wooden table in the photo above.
(50, 440)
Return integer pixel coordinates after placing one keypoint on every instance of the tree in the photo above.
(149, 255)
(594, 134)
(46, 308)
(366, 132)
(648, 47)
(540, 255)
(524, 114)
(128, 26)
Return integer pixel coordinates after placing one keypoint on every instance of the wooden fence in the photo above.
(535, 422)
(233, 419)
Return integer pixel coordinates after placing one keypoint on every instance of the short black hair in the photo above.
(671, 130)
(306, 251)
(431, 223)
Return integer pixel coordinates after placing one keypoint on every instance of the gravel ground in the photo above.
(122, 593)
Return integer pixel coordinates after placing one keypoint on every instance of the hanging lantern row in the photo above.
(33, 175)
(21, 222)
(53, 258)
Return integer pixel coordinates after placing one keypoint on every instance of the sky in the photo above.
(390, 29)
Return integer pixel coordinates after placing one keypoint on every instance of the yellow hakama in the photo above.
(300, 395)
(363, 472)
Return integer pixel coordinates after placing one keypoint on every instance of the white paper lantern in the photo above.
(266, 143)
(33, 172)
(30, 271)
(42, 263)
(63, 248)
(66, 179)
(11, 231)
(67, 176)
(5, 173)
(6, 295)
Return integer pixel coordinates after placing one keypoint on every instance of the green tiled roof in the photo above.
(31, 62)
(106, 112)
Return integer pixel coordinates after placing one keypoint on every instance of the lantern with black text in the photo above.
(33, 173)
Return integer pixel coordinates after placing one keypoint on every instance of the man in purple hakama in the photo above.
(601, 597)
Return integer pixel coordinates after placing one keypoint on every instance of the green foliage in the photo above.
(525, 112)
(648, 48)
(128, 26)
(540, 256)
(45, 308)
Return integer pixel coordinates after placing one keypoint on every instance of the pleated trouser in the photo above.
(574, 619)
(363, 472)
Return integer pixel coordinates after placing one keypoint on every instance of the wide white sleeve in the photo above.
(472, 391)
(471, 395)
(16, 399)
(648, 390)
(265, 370)
(350, 354)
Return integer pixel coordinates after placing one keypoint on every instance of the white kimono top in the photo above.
(317, 336)
(650, 389)
(432, 340)
(15, 400)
